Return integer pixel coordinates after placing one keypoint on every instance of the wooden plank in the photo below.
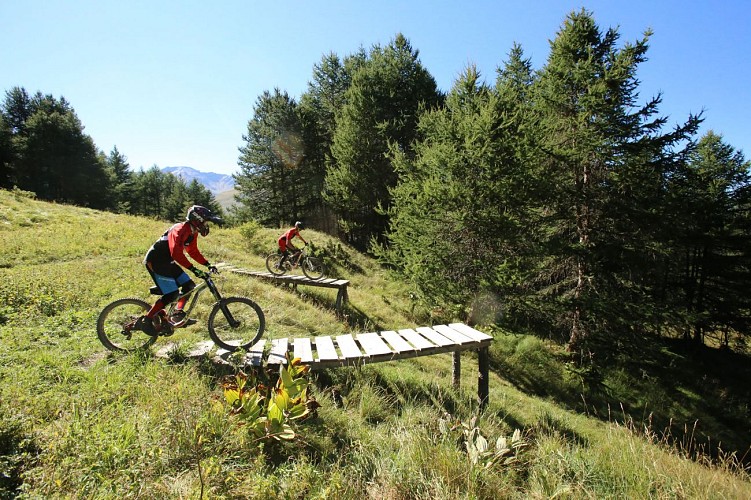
(397, 342)
(338, 284)
(303, 349)
(293, 278)
(278, 352)
(254, 357)
(166, 350)
(201, 349)
(418, 341)
(373, 344)
(287, 278)
(348, 347)
(325, 349)
(454, 335)
(471, 332)
(434, 336)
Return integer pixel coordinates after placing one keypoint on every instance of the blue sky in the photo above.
(173, 83)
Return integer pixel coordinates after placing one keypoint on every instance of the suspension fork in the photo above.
(225, 310)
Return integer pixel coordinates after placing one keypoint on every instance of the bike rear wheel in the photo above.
(312, 267)
(236, 323)
(272, 264)
(114, 327)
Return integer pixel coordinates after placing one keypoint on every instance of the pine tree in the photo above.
(381, 110)
(7, 154)
(456, 220)
(122, 180)
(318, 109)
(149, 195)
(52, 155)
(605, 161)
(274, 184)
(711, 263)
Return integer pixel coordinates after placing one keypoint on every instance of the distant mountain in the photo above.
(216, 183)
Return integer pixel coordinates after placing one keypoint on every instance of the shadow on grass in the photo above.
(353, 316)
(695, 399)
(18, 446)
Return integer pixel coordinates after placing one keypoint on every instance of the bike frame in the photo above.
(196, 292)
(297, 256)
(293, 258)
(280, 262)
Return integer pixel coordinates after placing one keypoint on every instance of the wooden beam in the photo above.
(483, 382)
(456, 371)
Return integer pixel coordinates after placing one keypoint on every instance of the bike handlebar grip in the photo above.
(198, 273)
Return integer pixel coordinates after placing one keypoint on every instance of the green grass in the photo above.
(79, 422)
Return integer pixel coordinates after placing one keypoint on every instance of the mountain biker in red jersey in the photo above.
(285, 241)
(162, 261)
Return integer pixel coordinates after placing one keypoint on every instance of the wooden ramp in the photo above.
(362, 348)
(294, 280)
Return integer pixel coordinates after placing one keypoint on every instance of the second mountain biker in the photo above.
(285, 241)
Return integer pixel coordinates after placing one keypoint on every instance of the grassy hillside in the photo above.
(226, 198)
(77, 421)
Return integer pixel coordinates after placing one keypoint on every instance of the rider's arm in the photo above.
(196, 254)
(177, 238)
(296, 232)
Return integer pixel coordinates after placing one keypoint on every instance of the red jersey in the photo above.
(173, 245)
(287, 237)
(291, 234)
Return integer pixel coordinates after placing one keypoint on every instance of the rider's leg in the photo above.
(167, 278)
(178, 315)
(291, 253)
(158, 306)
(149, 322)
(161, 303)
(186, 287)
(284, 255)
(282, 242)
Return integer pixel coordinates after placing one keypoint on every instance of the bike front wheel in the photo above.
(312, 267)
(115, 325)
(236, 323)
(272, 264)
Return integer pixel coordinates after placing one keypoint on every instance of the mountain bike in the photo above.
(233, 323)
(312, 267)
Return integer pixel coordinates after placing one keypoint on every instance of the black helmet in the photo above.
(199, 216)
(299, 225)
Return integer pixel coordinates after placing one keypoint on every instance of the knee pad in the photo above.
(190, 285)
(170, 297)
